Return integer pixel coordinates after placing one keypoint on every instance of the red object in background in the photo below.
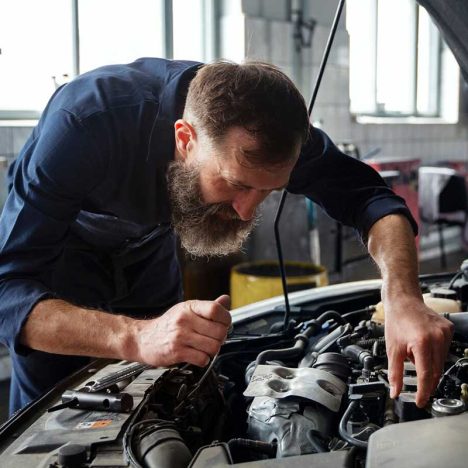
(405, 183)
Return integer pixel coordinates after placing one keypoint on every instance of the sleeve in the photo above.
(349, 190)
(58, 166)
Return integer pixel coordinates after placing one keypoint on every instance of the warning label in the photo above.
(99, 424)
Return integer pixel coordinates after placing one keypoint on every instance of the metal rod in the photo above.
(168, 29)
(76, 38)
(279, 249)
(331, 38)
(323, 64)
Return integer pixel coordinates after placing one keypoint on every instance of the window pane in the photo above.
(36, 45)
(396, 31)
(188, 29)
(119, 31)
(428, 64)
(361, 54)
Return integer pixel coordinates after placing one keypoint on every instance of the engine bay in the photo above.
(316, 394)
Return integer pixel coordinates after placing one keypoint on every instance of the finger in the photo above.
(448, 334)
(224, 300)
(203, 343)
(395, 372)
(208, 328)
(423, 363)
(210, 310)
(191, 356)
(437, 367)
(439, 353)
(188, 320)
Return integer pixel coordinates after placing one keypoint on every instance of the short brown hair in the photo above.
(254, 95)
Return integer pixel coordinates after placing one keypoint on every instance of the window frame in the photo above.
(378, 112)
(210, 47)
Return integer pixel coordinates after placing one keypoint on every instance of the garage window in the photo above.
(397, 65)
(44, 44)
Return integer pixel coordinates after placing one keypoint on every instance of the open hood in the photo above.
(451, 17)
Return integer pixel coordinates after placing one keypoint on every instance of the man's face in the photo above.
(215, 192)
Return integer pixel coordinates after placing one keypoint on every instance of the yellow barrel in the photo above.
(252, 282)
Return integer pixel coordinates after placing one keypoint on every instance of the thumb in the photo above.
(224, 300)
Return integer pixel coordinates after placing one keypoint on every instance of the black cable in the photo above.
(323, 64)
(452, 281)
(279, 250)
(366, 310)
(342, 427)
(251, 351)
(331, 314)
(198, 384)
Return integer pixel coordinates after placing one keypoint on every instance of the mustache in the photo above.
(224, 209)
(200, 212)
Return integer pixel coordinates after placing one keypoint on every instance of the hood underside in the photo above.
(451, 17)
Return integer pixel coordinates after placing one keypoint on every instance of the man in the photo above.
(124, 156)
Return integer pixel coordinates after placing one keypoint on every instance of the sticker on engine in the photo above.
(99, 424)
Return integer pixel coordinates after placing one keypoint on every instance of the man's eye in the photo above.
(238, 186)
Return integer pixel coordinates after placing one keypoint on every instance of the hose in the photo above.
(302, 340)
(158, 444)
(342, 427)
(370, 342)
(257, 445)
(331, 314)
(296, 351)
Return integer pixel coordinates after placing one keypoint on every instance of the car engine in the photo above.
(315, 394)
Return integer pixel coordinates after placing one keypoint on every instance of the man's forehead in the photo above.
(254, 176)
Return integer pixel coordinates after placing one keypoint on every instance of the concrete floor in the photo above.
(360, 270)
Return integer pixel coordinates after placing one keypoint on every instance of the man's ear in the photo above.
(185, 136)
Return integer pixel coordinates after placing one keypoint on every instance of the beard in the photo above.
(205, 230)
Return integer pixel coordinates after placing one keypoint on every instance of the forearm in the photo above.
(391, 244)
(55, 326)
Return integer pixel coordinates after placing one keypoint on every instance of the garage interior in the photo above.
(392, 95)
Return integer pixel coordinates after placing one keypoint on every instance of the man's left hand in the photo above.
(414, 331)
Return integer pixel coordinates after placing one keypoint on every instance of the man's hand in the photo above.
(192, 332)
(414, 331)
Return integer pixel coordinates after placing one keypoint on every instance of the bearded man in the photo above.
(125, 157)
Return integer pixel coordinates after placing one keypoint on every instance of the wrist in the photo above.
(401, 291)
(123, 341)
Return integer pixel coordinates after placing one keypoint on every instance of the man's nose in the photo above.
(246, 203)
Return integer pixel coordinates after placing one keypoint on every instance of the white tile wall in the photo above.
(12, 139)
(430, 142)
(257, 39)
(5, 140)
(282, 44)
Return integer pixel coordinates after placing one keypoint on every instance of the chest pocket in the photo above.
(105, 258)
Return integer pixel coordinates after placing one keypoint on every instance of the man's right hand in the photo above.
(191, 331)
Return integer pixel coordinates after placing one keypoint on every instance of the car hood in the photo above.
(451, 17)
